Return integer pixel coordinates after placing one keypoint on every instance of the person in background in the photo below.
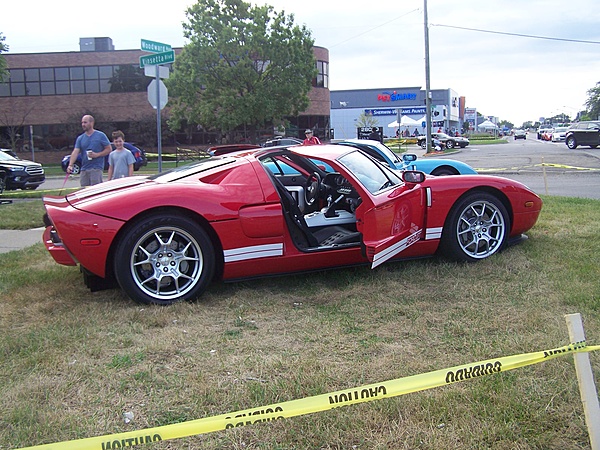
(310, 139)
(120, 161)
(93, 145)
(375, 136)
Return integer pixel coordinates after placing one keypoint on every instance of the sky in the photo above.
(518, 60)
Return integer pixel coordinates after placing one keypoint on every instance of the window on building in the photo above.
(322, 79)
(74, 80)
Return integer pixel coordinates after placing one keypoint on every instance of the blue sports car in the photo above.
(433, 166)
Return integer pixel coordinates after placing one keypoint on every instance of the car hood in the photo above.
(19, 163)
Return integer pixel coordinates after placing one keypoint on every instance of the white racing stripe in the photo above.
(253, 252)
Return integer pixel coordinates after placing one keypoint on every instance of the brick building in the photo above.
(47, 93)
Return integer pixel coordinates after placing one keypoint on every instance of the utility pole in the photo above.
(427, 82)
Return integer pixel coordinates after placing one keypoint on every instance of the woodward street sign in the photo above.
(155, 47)
(157, 58)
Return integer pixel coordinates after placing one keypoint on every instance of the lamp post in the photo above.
(427, 83)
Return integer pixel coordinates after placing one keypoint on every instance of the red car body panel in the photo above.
(235, 199)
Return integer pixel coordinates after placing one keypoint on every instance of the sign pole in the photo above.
(158, 121)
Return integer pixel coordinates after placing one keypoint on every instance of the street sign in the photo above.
(155, 47)
(150, 71)
(157, 58)
(163, 94)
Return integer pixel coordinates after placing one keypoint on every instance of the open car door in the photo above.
(394, 223)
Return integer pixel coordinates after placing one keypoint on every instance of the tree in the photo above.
(367, 120)
(593, 102)
(3, 64)
(244, 65)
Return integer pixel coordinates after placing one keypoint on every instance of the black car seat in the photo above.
(301, 234)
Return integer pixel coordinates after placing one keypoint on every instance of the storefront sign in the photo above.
(394, 96)
(380, 112)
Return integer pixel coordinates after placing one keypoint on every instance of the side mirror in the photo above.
(413, 176)
(409, 157)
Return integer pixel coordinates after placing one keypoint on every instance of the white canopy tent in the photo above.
(487, 125)
(406, 121)
(394, 124)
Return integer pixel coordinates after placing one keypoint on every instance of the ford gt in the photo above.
(276, 211)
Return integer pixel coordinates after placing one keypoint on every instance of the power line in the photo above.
(374, 28)
(517, 34)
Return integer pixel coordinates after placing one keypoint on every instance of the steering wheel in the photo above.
(312, 188)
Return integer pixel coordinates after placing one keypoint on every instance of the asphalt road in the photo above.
(548, 168)
(545, 167)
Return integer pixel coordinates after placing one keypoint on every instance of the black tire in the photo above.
(2, 182)
(571, 142)
(164, 259)
(450, 144)
(423, 144)
(441, 171)
(476, 228)
(76, 169)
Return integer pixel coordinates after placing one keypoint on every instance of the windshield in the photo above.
(373, 176)
(6, 157)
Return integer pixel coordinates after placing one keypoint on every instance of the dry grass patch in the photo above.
(74, 361)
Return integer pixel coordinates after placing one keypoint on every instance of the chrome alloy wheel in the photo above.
(481, 229)
(166, 263)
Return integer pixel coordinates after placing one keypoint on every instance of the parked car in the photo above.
(239, 216)
(282, 141)
(520, 134)
(542, 129)
(16, 173)
(559, 134)
(433, 166)
(583, 133)
(140, 159)
(448, 141)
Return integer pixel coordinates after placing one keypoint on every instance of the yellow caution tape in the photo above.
(317, 403)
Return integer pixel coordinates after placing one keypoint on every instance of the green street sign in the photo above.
(155, 47)
(157, 59)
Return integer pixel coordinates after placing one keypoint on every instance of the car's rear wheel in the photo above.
(476, 228)
(440, 171)
(450, 144)
(423, 144)
(572, 142)
(76, 169)
(164, 259)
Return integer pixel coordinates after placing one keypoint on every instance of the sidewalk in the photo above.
(18, 239)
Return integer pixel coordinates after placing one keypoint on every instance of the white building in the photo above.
(387, 106)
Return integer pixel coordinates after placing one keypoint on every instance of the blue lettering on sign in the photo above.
(396, 96)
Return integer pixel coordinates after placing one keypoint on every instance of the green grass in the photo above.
(73, 361)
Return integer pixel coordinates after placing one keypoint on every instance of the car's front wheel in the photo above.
(164, 259)
(476, 228)
(450, 144)
(423, 144)
(572, 142)
(76, 169)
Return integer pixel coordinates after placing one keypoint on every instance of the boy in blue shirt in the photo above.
(120, 161)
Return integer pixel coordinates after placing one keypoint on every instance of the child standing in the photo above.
(120, 160)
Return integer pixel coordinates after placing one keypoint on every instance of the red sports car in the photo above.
(276, 211)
